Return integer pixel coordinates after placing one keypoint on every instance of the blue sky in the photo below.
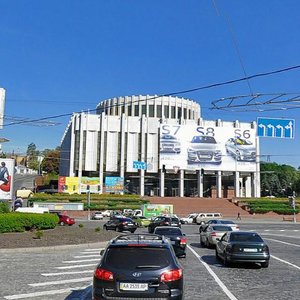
(58, 57)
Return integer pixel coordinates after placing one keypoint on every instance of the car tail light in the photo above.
(67, 219)
(183, 241)
(237, 227)
(213, 234)
(104, 275)
(124, 223)
(166, 223)
(172, 275)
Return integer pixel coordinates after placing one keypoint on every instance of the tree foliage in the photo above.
(50, 163)
(279, 180)
(32, 157)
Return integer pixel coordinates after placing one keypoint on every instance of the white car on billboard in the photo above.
(204, 149)
(169, 144)
(241, 149)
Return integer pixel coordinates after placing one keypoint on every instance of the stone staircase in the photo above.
(184, 206)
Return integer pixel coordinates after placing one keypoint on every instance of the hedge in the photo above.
(4, 208)
(19, 222)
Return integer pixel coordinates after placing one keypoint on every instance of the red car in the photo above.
(65, 220)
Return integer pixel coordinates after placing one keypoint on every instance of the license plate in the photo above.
(250, 250)
(130, 224)
(124, 286)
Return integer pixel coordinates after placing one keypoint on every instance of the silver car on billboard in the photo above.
(241, 149)
(169, 144)
(204, 149)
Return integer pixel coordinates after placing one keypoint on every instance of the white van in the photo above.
(204, 217)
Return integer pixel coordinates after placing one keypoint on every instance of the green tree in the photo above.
(32, 157)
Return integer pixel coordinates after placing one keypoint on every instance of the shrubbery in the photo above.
(19, 222)
(4, 208)
(276, 206)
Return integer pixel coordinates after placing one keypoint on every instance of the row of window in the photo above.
(138, 110)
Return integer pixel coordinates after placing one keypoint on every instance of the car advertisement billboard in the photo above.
(7, 167)
(193, 147)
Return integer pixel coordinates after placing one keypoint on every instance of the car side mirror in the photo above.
(102, 252)
(217, 239)
(184, 234)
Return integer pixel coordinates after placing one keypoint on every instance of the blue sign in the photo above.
(140, 165)
(277, 128)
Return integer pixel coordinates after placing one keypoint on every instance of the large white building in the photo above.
(185, 155)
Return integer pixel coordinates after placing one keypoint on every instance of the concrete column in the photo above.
(162, 184)
(72, 148)
(82, 117)
(122, 141)
(256, 180)
(142, 183)
(200, 183)
(181, 183)
(219, 184)
(101, 158)
(248, 186)
(237, 184)
(143, 143)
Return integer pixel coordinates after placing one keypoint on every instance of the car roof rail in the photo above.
(139, 238)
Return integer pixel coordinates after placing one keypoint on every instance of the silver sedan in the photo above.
(209, 236)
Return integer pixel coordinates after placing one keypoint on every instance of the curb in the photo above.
(53, 248)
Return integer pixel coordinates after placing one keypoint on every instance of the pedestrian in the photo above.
(239, 216)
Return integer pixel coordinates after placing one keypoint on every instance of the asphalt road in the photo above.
(66, 273)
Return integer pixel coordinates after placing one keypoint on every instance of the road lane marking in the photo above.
(80, 261)
(286, 262)
(85, 256)
(91, 252)
(60, 281)
(73, 267)
(286, 243)
(214, 275)
(280, 235)
(44, 293)
(67, 273)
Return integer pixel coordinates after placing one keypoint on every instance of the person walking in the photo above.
(239, 216)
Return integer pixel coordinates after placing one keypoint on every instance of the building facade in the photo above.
(184, 154)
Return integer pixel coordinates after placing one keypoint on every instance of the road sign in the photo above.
(140, 165)
(277, 128)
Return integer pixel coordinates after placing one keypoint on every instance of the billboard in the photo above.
(114, 184)
(7, 167)
(68, 185)
(193, 147)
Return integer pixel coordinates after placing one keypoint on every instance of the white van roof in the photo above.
(35, 210)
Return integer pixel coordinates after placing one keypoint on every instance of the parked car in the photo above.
(106, 213)
(230, 223)
(97, 215)
(169, 144)
(202, 218)
(241, 149)
(141, 221)
(242, 246)
(65, 220)
(211, 233)
(189, 219)
(163, 221)
(204, 149)
(138, 267)
(121, 224)
(176, 236)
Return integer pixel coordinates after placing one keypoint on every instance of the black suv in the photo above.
(138, 266)
(163, 221)
(121, 224)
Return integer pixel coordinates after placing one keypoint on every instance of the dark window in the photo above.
(166, 111)
(143, 109)
(137, 258)
(123, 109)
(246, 237)
(116, 110)
(136, 110)
(221, 228)
(185, 113)
(170, 231)
(179, 110)
(204, 140)
(173, 116)
(189, 114)
(151, 111)
(129, 110)
(226, 222)
(159, 111)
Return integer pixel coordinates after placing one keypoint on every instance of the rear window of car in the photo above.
(171, 231)
(138, 257)
(226, 222)
(175, 220)
(246, 237)
(125, 220)
(221, 228)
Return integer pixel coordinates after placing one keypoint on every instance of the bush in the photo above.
(81, 225)
(4, 208)
(97, 229)
(19, 222)
(39, 234)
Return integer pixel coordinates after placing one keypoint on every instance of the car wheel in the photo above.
(62, 223)
(118, 229)
(104, 227)
(132, 231)
(264, 264)
(226, 262)
(217, 255)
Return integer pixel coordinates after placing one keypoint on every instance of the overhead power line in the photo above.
(167, 94)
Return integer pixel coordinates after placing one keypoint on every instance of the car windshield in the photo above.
(138, 257)
(242, 142)
(204, 139)
(174, 220)
(168, 231)
(246, 237)
(168, 137)
(221, 228)
(125, 219)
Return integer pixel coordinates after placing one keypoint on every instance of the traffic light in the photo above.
(202, 171)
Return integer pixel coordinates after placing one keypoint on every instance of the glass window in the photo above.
(189, 114)
(143, 109)
(158, 111)
(151, 111)
(179, 112)
(173, 116)
(123, 109)
(129, 110)
(116, 110)
(136, 110)
(166, 112)
(185, 113)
